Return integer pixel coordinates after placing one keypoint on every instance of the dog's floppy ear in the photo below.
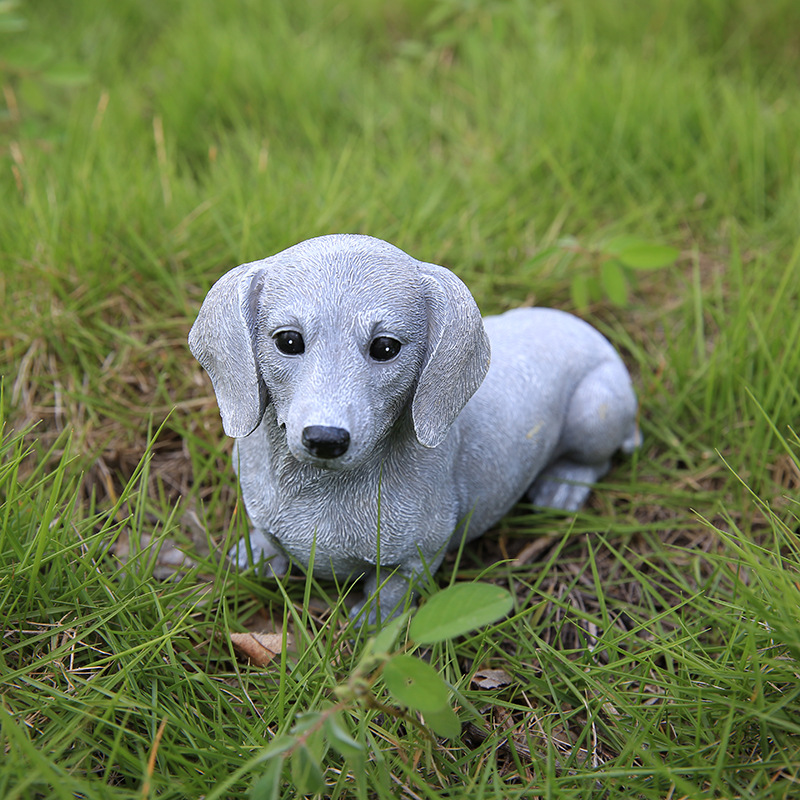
(222, 339)
(457, 358)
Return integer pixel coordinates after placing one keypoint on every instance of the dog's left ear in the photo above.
(457, 358)
(222, 339)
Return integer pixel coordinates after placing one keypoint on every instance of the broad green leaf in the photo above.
(66, 75)
(415, 684)
(384, 641)
(579, 291)
(341, 741)
(12, 24)
(618, 244)
(648, 256)
(377, 648)
(614, 282)
(268, 785)
(32, 94)
(306, 721)
(595, 289)
(277, 747)
(309, 727)
(444, 722)
(29, 56)
(306, 772)
(459, 609)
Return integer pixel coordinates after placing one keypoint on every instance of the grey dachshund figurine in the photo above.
(371, 429)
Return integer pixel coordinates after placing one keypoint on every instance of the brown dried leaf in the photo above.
(260, 648)
(491, 678)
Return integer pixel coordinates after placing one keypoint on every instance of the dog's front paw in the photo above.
(367, 611)
(396, 595)
(265, 557)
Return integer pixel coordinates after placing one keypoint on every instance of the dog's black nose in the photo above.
(325, 442)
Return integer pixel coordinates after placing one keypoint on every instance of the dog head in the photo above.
(341, 333)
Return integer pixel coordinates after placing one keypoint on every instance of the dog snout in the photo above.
(323, 441)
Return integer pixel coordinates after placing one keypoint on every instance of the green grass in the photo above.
(147, 148)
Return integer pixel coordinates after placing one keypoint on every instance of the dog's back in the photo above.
(556, 389)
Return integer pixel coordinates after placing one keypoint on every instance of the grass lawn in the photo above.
(146, 148)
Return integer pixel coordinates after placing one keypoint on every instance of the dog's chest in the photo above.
(346, 521)
(387, 511)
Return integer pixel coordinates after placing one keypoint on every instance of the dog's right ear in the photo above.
(222, 339)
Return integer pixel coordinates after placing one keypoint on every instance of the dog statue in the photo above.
(370, 429)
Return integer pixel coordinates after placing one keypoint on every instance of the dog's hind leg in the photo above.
(566, 484)
(600, 419)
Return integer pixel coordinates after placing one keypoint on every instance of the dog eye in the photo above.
(384, 348)
(290, 343)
